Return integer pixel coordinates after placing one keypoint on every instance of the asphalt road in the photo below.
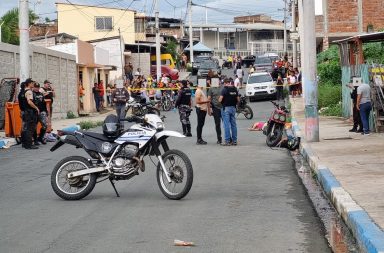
(244, 199)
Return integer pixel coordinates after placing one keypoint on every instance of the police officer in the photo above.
(39, 95)
(29, 114)
(184, 103)
(229, 98)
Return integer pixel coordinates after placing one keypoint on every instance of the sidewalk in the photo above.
(58, 124)
(350, 167)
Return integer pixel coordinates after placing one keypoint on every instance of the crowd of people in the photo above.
(33, 106)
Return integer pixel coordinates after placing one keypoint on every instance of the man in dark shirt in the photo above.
(184, 103)
(229, 98)
(39, 101)
(213, 96)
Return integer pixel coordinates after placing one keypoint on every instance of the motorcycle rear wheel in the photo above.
(181, 172)
(76, 188)
(274, 136)
(167, 105)
(247, 111)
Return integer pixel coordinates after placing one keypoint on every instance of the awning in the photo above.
(199, 47)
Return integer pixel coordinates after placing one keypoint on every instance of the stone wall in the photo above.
(57, 67)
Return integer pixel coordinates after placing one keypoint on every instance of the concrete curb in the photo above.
(368, 235)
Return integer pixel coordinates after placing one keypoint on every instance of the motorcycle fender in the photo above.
(165, 134)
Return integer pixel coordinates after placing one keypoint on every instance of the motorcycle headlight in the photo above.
(282, 118)
(159, 125)
(106, 147)
(276, 116)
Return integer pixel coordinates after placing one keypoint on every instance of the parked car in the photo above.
(248, 61)
(197, 60)
(263, 63)
(206, 66)
(260, 85)
(173, 74)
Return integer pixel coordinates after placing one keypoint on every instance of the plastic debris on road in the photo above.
(183, 243)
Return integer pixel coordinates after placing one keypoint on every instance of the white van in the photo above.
(260, 85)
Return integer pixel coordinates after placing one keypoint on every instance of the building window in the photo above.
(139, 25)
(103, 24)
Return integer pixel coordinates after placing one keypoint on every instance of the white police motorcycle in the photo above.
(118, 154)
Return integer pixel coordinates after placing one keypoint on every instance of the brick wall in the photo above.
(59, 68)
(319, 23)
(343, 16)
(373, 13)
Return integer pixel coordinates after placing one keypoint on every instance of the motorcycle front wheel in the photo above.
(275, 135)
(74, 188)
(247, 111)
(167, 105)
(180, 171)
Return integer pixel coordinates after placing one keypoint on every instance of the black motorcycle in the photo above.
(226, 64)
(140, 107)
(243, 108)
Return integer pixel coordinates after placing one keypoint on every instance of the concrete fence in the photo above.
(59, 68)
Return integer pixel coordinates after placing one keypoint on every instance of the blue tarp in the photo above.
(199, 47)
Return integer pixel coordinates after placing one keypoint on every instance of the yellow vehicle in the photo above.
(166, 59)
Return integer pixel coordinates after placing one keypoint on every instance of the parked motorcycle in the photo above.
(243, 108)
(275, 125)
(226, 64)
(141, 107)
(119, 155)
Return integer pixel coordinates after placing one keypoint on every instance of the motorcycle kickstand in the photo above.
(113, 185)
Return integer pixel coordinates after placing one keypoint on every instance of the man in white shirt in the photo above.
(240, 74)
(237, 82)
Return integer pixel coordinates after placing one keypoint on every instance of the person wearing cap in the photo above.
(184, 103)
(29, 115)
(49, 94)
(229, 98)
(202, 107)
(38, 99)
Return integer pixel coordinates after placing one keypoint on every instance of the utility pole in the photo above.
(308, 56)
(24, 39)
(294, 31)
(2, 23)
(190, 31)
(285, 26)
(158, 60)
(122, 56)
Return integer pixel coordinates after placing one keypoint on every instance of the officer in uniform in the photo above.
(29, 115)
(38, 99)
(184, 103)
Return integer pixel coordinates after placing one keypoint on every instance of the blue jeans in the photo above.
(365, 110)
(120, 111)
(229, 119)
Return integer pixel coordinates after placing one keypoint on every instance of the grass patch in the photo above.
(333, 110)
(71, 115)
(88, 124)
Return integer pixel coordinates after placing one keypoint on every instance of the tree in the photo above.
(9, 30)
(171, 48)
(47, 20)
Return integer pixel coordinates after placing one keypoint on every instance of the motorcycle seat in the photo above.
(98, 136)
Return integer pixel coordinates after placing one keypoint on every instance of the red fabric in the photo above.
(101, 89)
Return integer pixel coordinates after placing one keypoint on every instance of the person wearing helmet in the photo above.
(184, 103)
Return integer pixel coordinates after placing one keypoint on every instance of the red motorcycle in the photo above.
(275, 125)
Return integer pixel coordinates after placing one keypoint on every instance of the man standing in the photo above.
(240, 73)
(96, 96)
(50, 94)
(29, 115)
(364, 105)
(357, 124)
(229, 98)
(39, 101)
(101, 89)
(213, 96)
(120, 97)
(184, 103)
(202, 107)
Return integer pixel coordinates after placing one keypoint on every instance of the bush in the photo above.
(333, 110)
(329, 95)
(88, 124)
(71, 115)
(329, 72)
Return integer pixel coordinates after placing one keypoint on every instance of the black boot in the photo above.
(184, 129)
(189, 134)
(354, 129)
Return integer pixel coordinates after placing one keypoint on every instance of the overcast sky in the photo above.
(219, 11)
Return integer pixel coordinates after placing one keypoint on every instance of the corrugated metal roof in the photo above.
(366, 37)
